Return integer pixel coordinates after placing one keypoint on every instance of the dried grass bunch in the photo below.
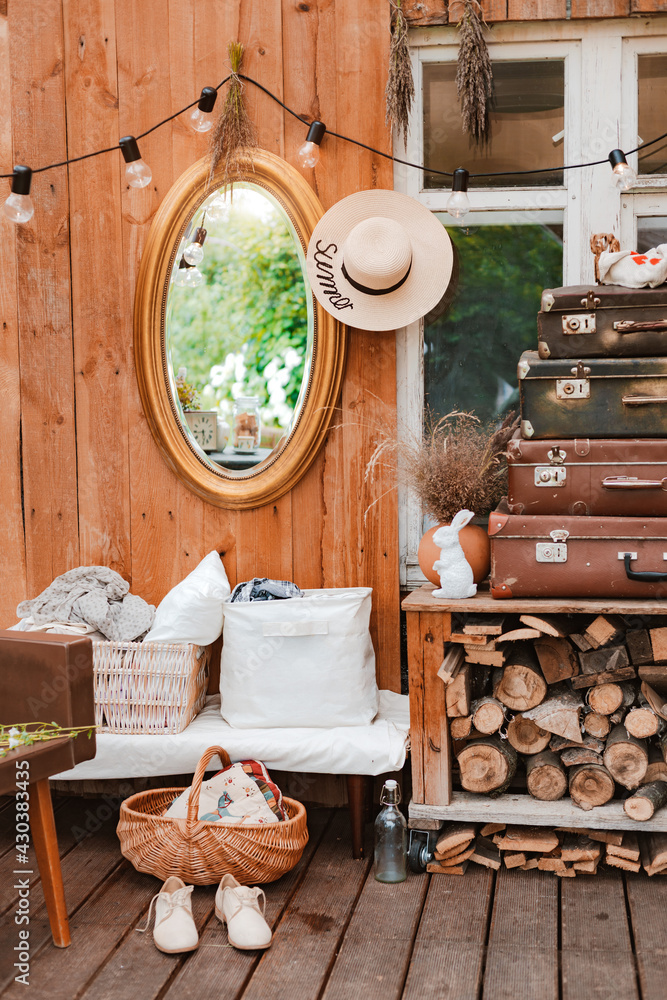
(459, 462)
(474, 78)
(234, 136)
(400, 90)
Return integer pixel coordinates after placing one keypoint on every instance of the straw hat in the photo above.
(379, 260)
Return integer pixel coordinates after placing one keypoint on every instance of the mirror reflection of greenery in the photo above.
(471, 350)
(249, 315)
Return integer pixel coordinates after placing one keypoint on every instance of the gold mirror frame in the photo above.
(283, 469)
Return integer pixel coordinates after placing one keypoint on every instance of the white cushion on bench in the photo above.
(373, 749)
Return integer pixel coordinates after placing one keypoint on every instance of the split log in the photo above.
(490, 828)
(580, 641)
(604, 629)
(646, 801)
(659, 644)
(460, 729)
(559, 713)
(558, 661)
(437, 868)
(658, 702)
(457, 694)
(596, 724)
(545, 777)
(451, 664)
(638, 643)
(642, 721)
(590, 785)
(540, 840)
(586, 867)
(657, 766)
(522, 685)
(488, 715)
(515, 859)
(609, 660)
(567, 871)
(579, 755)
(605, 699)
(490, 658)
(555, 625)
(579, 848)
(453, 835)
(551, 862)
(529, 865)
(518, 634)
(558, 744)
(625, 757)
(655, 845)
(486, 854)
(489, 625)
(617, 717)
(628, 848)
(623, 863)
(455, 859)
(526, 736)
(656, 676)
(487, 765)
(460, 638)
(452, 852)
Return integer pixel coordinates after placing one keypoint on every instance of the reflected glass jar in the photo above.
(246, 424)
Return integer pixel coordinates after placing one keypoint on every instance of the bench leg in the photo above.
(357, 785)
(43, 829)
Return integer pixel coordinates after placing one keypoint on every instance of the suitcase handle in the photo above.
(630, 483)
(630, 326)
(642, 400)
(641, 577)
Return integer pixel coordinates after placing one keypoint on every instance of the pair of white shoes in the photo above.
(236, 905)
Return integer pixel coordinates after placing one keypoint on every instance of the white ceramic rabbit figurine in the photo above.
(454, 570)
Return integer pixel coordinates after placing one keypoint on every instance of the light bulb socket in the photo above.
(617, 157)
(129, 148)
(316, 132)
(199, 236)
(21, 180)
(184, 264)
(207, 100)
(460, 179)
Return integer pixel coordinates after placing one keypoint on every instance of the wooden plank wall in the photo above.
(83, 481)
(429, 12)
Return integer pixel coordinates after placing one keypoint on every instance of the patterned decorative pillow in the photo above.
(240, 793)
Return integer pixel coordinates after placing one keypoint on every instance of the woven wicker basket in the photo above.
(200, 852)
(148, 687)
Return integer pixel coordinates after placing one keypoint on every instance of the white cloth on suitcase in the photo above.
(632, 269)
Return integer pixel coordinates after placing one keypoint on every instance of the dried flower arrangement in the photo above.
(188, 395)
(234, 136)
(23, 734)
(459, 462)
(400, 90)
(474, 78)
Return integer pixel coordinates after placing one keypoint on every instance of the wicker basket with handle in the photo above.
(201, 852)
(148, 687)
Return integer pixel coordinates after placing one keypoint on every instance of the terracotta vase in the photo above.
(475, 544)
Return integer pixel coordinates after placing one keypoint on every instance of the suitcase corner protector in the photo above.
(543, 349)
(497, 522)
(500, 591)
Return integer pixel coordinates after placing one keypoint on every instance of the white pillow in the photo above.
(192, 610)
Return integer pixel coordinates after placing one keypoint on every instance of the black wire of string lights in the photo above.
(19, 208)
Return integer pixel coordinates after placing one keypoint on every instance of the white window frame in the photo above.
(600, 114)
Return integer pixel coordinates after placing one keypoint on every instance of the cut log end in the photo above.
(545, 777)
(590, 785)
(487, 765)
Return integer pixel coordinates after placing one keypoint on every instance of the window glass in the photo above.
(651, 232)
(652, 101)
(473, 339)
(526, 124)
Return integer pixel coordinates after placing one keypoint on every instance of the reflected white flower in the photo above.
(14, 738)
(292, 358)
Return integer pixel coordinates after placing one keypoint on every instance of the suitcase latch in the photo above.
(591, 301)
(553, 552)
(578, 387)
(550, 475)
(556, 455)
(579, 323)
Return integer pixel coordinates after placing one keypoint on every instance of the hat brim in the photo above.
(430, 272)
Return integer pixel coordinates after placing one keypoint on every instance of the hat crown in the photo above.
(377, 253)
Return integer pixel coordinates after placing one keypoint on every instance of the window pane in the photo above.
(651, 232)
(472, 348)
(528, 112)
(652, 100)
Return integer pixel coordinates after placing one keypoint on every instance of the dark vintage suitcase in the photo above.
(542, 555)
(621, 477)
(593, 397)
(602, 321)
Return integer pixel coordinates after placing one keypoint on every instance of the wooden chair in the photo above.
(46, 678)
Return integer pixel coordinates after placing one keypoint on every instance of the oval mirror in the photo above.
(238, 365)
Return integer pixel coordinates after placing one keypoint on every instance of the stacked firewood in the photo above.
(563, 851)
(580, 702)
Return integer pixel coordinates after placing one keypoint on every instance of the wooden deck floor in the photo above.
(339, 934)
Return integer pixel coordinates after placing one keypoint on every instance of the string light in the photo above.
(194, 252)
(201, 119)
(137, 173)
(458, 203)
(623, 174)
(19, 206)
(308, 155)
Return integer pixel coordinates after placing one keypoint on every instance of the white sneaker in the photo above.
(174, 929)
(238, 906)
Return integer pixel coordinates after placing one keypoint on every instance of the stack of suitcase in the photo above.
(586, 512)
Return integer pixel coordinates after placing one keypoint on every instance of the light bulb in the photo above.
(194, 253)
(180, 278)
(200, 121)
(458, 204)
(19, 206)
(138, 174)
(194, 277)
(624, 176)
(308, 155)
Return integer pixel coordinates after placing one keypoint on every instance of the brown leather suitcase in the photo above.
(593, 397)
(602, 321)
(622, 477)
(542, 555)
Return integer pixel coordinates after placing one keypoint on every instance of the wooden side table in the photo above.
(429, 625)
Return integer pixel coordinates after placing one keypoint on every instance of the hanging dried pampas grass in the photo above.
(400, 90)
(234, 136)
(474, 78)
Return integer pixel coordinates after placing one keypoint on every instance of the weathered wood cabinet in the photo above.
(429, 626)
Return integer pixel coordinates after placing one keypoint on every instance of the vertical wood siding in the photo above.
(83, 481)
